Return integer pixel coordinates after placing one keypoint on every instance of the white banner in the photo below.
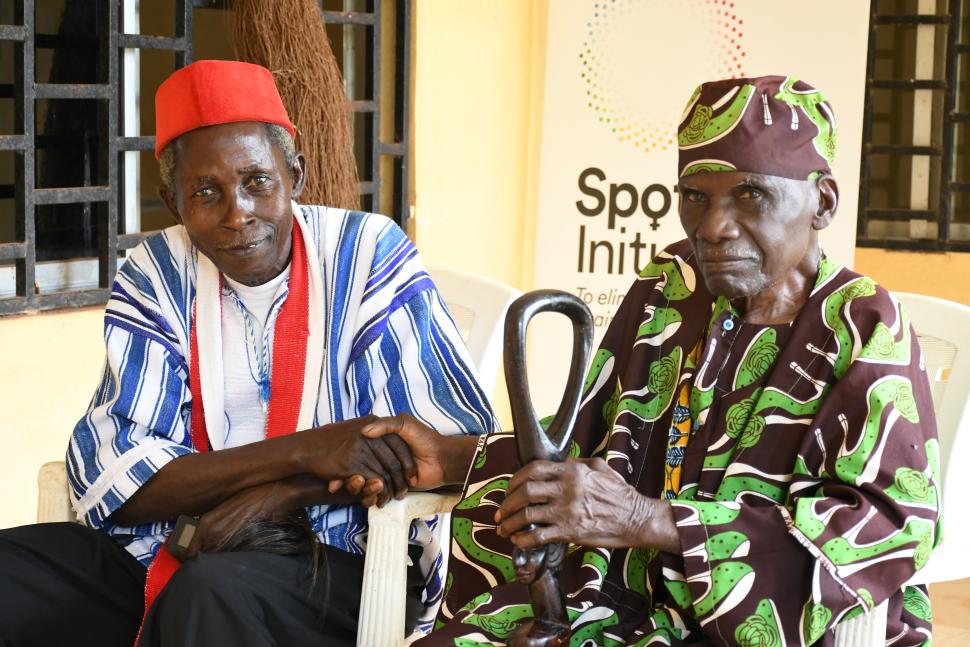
(618, 75)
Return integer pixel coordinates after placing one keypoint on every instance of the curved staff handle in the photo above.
(534, 443)
(539, 567)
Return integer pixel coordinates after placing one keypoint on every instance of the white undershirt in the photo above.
(241, 352)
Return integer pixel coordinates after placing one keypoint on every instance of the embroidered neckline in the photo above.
(259, 348)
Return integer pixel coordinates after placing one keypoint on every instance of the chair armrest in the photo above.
(381, 621)
(53, 500)
(866, 630)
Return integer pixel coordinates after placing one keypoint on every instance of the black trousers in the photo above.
(64, 584)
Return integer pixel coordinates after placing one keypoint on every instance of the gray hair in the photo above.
(277, 135)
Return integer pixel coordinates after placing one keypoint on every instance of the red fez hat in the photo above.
(208, 93)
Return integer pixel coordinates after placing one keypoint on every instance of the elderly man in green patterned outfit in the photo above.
(760, 453)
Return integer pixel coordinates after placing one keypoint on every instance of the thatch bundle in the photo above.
(289, 38)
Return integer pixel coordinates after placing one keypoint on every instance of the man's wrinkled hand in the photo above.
(581, 501)
(342, 455)
(425, 444)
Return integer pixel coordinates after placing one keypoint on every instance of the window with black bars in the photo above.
(915, 182)
(78, 178)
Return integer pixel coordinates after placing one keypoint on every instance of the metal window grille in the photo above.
(382, 161)
(913, 185)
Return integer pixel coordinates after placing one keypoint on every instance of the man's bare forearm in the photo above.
(195, 483)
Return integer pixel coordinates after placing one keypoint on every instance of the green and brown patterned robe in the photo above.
(808, 491)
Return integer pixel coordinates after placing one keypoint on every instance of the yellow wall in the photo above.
(477, 83)
(476, 104)
(940, 275)
(51, 366)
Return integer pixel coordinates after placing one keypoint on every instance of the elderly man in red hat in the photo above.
(251, 319)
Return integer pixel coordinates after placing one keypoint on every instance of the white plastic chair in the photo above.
(478, 307)
(943, 330)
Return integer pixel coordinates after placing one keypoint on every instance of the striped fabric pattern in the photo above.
(391, 347)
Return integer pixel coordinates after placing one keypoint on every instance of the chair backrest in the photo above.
(943, 330)
(478, 305)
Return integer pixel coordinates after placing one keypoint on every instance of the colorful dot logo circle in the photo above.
(640, 60)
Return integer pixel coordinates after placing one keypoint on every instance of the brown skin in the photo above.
(439, 460)
(231, 189)
(582, 501)
(232, 193)
(756, 238)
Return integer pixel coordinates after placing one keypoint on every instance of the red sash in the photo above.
(289, 365)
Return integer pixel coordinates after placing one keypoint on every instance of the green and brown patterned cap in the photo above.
(772, 125)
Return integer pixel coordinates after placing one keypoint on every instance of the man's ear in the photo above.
(168, 197)
(298, 171)
(828, 201)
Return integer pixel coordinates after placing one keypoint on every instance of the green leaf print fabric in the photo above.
(808, 489)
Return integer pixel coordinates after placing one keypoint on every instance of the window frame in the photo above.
(955, 53)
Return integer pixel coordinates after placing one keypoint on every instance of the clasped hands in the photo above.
(376, 458)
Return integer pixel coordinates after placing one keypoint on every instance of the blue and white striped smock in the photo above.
(391, 348)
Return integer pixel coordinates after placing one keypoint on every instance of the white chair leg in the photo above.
(53, 500)
(381, 621)
(866, 630)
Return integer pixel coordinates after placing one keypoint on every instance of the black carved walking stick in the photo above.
(539, 567)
